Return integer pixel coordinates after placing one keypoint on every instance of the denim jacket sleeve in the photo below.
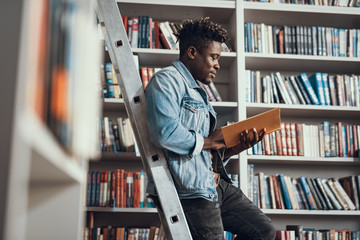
(164, 94)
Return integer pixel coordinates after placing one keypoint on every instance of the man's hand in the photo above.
(215, 140)
(245, 141)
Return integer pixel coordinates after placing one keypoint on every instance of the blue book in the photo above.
(109, 80)
(267, 192)
(351, 138)
(309, 89)
(307, 192)
(344, 141)
(285, 192)
(326, 88)
(88, 189)
(97, 187)
(316, 82)
(93, 188)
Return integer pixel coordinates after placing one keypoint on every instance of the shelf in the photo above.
(121, 156)
(301, 63)
(118, 105)
(310, 212)
(338, 112)
(296, 14)
(274, 159)
(163, 10)
(165, 57)
(50, 162)
(121, 210)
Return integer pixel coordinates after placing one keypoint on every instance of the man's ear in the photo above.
(191, 52)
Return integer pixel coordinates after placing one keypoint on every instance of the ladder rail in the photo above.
(153, 158)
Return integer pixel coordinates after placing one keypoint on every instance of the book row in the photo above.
(299, 232)
(337, 3)
(116, 135)
(117, 188)
(322, 140)
(144, 32)
(318, 89)
(123, 233)
(303, 40)
(304, 193)
(131, 233)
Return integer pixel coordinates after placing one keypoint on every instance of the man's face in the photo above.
(206, 63)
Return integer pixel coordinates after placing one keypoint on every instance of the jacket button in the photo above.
(210, 168)
(211, 195)
(207, 115)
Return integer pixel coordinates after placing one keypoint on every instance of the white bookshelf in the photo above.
(43, 180)
(231, 81)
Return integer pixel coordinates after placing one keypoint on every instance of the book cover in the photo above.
(269, 120)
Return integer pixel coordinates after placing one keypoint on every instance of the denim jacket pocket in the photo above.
(192, 114)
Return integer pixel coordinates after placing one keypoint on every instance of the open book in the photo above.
(269, 120)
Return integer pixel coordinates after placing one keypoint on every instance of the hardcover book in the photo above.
(269, 120)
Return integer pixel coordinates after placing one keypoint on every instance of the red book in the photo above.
(276, 192)
(125, 22)
(278, 143)
(144, 76)
(118, 187)
(299, 139)
(157, 35)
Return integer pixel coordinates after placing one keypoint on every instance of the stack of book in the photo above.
(322, 140)
(303, 40)
(317, 89)
(299, 232)
(144, 32)
(117, 188)
(304, 193)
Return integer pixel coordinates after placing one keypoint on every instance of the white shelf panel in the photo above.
(121, 210)
(302, 160)
(299, 111)
(118, 105)
(301, 63)
(164, 57)
(49, 163)
(297, 14)
(162, 10)
(187, 3)
(310, 212)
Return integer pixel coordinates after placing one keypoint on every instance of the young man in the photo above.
(182, 122)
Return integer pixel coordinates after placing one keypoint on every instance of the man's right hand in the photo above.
(215, 140)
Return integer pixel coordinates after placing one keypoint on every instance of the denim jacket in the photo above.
(179, 116)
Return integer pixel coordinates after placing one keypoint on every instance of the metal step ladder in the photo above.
(171, 215)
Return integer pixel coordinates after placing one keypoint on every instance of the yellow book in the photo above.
(269, 120)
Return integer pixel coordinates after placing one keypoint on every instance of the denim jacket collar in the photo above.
(185, 73)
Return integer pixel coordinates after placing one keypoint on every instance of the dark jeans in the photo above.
(233, 212)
